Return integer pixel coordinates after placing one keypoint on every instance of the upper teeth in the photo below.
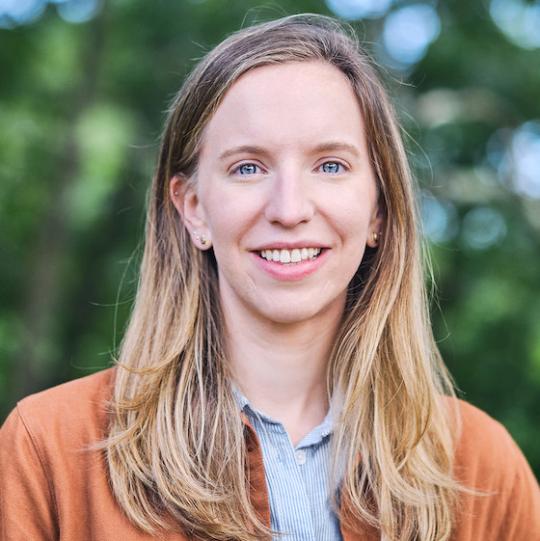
(290, 256)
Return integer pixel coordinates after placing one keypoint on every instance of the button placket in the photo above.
(300, 457)
(294, 494)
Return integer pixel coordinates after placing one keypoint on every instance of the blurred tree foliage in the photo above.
(81, 110)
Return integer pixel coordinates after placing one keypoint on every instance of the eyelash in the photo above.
(236, 170)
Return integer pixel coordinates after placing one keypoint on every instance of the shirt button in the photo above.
(300, 457)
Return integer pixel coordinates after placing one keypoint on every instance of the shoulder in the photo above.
(505, 499)
(78, 393)
(484, 447)
(72, 411)
(54, 476)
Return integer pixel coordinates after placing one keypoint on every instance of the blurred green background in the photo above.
(83, 93)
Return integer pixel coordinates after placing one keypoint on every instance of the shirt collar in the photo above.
(316, 435)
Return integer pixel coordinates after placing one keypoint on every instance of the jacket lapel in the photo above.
(259, 491)
(256, 476)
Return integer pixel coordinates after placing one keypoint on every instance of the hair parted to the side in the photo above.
(176, 446)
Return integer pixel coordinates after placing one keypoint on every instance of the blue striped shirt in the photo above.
(297, 478)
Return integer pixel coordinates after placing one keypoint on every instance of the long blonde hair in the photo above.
(176, 445)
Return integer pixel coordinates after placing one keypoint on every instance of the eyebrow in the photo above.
(322, 147)
(337, 145)
(242, 149)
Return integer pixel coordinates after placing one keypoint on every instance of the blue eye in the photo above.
(246, 169)
(332, 168)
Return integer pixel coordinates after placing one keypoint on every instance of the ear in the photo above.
(375, 227)
(184, 197)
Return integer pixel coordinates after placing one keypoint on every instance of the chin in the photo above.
(291, 313)
(288, 317)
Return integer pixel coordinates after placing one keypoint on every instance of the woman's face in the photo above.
(285, 192)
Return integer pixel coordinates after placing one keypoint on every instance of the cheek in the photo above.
(227, 228)
(230, 216)
(219, 215)
(352, 217)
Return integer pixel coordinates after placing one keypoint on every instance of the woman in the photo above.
(278, 374)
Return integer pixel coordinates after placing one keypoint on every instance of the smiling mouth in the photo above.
(290, 257)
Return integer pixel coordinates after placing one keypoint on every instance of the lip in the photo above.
(290, 272)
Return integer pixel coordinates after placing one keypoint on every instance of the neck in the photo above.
(282, 368)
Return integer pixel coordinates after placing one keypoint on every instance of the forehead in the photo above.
(285, 104)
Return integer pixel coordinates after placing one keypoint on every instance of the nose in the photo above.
(289, 201)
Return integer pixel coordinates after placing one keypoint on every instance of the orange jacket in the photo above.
(52, 490)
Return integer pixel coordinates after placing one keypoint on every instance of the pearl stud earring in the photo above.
(202, 239)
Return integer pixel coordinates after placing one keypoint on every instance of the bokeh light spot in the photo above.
(78, 11)
(19, 12)
(438, 218)
(518, 20)
(525, 152)
(409, 31)
(353, 10)
(483, 227)
(515, 155)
